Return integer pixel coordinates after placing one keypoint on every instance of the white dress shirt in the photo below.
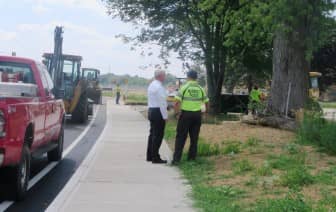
(157, 97)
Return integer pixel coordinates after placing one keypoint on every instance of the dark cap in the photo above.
(192, 74)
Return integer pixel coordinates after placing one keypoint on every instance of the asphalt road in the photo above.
(45, 190)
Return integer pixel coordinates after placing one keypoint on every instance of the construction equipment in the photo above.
(69, 85)
(314, 90)
(94, 90)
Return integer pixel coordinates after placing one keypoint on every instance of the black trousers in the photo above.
(188, 123)
(117, 98)
(156, 132)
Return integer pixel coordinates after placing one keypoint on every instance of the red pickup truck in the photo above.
(31, 119)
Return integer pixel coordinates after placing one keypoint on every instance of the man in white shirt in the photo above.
(157, 115)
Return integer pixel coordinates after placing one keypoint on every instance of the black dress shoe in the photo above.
(159, 161)
(149, 160)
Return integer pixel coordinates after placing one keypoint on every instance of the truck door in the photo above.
(48, 102)
(54, 116)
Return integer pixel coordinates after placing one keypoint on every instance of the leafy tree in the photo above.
(324, 61)
(197, 30)
(300, 26)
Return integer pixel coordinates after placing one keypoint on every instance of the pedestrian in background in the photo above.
(118, 93)
(189, 102)
(157, 115)
(255, 99)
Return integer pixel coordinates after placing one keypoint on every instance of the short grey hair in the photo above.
(158, 73)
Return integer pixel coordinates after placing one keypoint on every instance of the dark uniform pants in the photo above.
(188, 123)
(157, 126)
(117, 98)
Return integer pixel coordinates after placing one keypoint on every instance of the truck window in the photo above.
(16, 73)
(45, 77)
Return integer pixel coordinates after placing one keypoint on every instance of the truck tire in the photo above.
(56, 154)
(80, 114)
(21, 174)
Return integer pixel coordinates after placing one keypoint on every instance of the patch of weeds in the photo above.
(331, 163)
(242, 166)
(328, 201)
(209, 198)
(216, 198)
(252, 182)
(296, 177)
(232, 148)
(292, 148)
(264, 170)
(270, 146)
(207, 149)
(253, 142)
(198, 171)
(327, 177)
(292, 202)
(285, 162)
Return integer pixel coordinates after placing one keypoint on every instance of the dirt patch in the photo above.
(238, 131)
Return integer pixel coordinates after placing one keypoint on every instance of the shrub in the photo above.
(328, 137)
(310, 128)
(315, 130)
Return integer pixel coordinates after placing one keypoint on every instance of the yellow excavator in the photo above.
(68, 82)
(314, 91)
(94, 91)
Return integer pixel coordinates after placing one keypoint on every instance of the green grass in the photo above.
(285, 162)
(292, 148)
(138, 99)
(319, 132)
(209, 198)
(264, 170)
(328, 104)
(253, 142)
(296, 177)
(232, 148)
(242, 166)
(293, 202)
(327, 177)
(108, 93)
(207, 149)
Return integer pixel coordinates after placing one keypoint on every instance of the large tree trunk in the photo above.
(290, 74)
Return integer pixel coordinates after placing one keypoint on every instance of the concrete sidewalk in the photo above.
(116, 177)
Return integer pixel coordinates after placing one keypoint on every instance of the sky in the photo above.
(27, 28)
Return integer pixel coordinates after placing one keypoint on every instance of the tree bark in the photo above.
(290, 74)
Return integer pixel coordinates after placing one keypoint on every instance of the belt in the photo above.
(186, 111)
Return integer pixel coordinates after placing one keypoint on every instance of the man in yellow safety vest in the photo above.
(190, 99)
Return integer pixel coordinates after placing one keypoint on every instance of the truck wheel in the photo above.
(56, 154)
(21, 174)
(80, 114)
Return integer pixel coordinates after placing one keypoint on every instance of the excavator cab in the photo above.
(94, 90)
(65, 70)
